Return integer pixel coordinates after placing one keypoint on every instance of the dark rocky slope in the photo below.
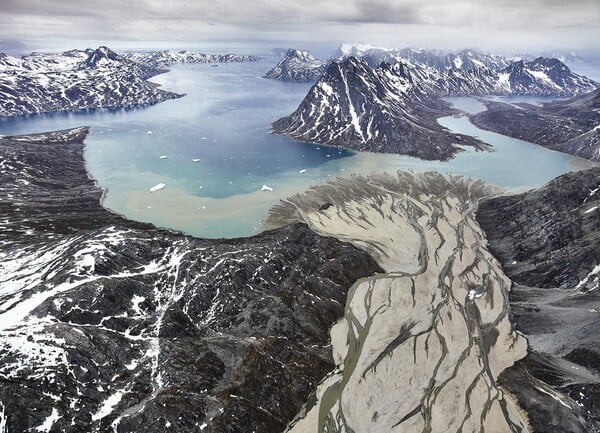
(111, 325)
(571, 126)
(548, 243)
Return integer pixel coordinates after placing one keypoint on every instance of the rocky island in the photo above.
(374, 109)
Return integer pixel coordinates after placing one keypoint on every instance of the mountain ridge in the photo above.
(392, 108)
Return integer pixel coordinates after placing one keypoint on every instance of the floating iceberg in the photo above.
(157, 187)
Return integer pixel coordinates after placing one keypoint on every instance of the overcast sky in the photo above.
(494, 25)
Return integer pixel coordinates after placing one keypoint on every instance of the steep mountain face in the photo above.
(75, 80)
(465, 59)
(544, 77)
(297, 65)
(551, 238)
(569, 126)
(108, 324)
(380, 110)
(547, 241)
(479, 80)
(164, 58)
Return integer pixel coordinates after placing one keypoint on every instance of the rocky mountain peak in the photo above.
(300, 54)
(297, 65)
(101, 55)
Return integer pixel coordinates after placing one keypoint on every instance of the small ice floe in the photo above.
(149, 132)
(195, 159)
(157, 187)
(266, 188)
(164, 157)
(302, 171)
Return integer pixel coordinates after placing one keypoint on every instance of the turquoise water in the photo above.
(223, 123)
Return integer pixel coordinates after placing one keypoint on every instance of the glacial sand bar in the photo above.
(419, 348)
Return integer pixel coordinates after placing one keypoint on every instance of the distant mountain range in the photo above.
(87, 79)
(392, 108)
(440, 60)
(299, 65)
(167, 58)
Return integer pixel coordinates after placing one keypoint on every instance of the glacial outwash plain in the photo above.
(420, 348)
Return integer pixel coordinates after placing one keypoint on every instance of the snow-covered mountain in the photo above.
(393, 108)
(297, 65)
(85, 79)
(437, 59)
(75, 80)
(165, 58)
(544, 76)
(382, 110)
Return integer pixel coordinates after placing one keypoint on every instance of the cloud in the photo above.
(192, 20)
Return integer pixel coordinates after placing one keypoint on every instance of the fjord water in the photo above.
(223, 124)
